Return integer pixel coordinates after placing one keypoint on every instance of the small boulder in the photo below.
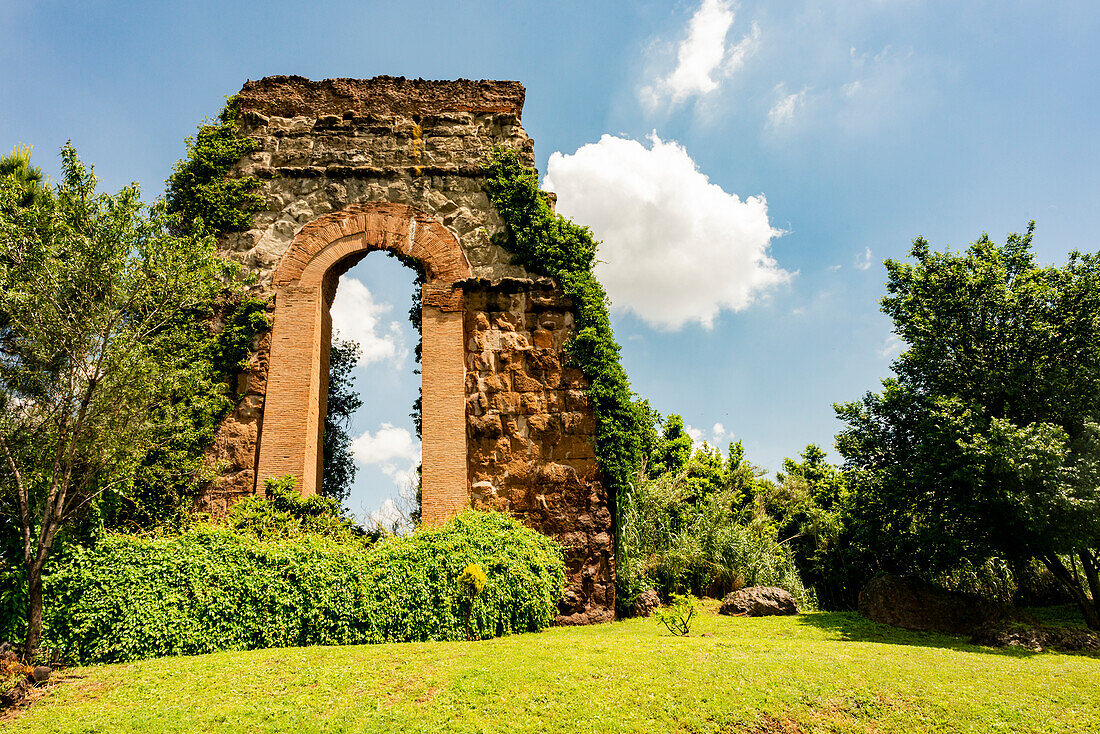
(646, 603)
(41, 674)
(758, 601)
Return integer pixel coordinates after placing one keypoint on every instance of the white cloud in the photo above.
(358, 317)
(385, 446)
(393, 450)
(717, 435)
(863, 261)
(833, 268)
(387, 515)
(702, 58)
(676, 247)
(891, 347)
(783, 110)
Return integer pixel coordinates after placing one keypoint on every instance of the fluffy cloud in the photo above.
(715, 438)
(386, 446)
(702, 58)
(394, 451)
(357, 317)
(676, 248)
(891, 347)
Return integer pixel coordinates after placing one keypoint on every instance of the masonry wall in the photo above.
(529, 433)
(325, 146)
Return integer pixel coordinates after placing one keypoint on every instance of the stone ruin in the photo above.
(349, 166)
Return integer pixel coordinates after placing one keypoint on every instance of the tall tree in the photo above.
(338, 465)
(90, 284)
(16, 166)
(987, 441)
(673, 450)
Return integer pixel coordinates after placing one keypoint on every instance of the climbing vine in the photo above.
(548, 244)
(200, 187)
(206, 202)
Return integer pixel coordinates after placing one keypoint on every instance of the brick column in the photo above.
(444, 491)
(292, 409)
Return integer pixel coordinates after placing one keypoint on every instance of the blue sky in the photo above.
(860, 124)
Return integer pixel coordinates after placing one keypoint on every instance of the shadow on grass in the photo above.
(852, 627)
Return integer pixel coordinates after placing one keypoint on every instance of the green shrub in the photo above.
(283, 512)
(212, 589)
(674, 540)
(200, 188)
(676, 616)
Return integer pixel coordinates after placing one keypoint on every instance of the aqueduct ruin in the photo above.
(348, 167)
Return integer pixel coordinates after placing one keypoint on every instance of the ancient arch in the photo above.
(305, 285)
(348, 166)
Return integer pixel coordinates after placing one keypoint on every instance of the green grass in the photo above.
(826, 672)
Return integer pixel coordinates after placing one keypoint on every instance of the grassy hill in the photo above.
(826, 672)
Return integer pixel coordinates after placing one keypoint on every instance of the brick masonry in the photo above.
(353, 166)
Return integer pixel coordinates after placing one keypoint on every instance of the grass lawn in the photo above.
(823, 672)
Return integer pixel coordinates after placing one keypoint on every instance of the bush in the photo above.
(677, 615)
(212, 589)
(673, 540)
(283, 512)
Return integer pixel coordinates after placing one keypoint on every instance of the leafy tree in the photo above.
(17, 167)
(987, 440)
(338, 468)
(807, 502)
(673, 450)
(91, 284)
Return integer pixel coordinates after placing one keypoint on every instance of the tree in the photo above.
(338, 467)
(90, 284)
(807, 502)
(987, 440)
(17, 167)
(673, 450)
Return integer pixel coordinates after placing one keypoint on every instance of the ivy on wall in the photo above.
(214, 339)
(200, 187)
(548, 244)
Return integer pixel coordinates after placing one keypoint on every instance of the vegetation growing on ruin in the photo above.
(200, 188)
(212, 589)
(548, 244)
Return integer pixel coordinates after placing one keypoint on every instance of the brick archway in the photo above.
(297, 383)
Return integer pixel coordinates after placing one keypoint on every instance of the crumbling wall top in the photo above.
(292, 96)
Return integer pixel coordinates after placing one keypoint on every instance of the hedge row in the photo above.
(211, 589)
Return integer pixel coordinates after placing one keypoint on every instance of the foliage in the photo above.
(676, 616)
(91, 286)
(986, 443)
(470, 585)
(472, 582)
(807, 504)
(338, 467)
(175, 469)
(212, 589)
(200, 188)
(675, 539)
(232, 347)
(16, 166)
(546, 243)
(673, 450)
(282, 512)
